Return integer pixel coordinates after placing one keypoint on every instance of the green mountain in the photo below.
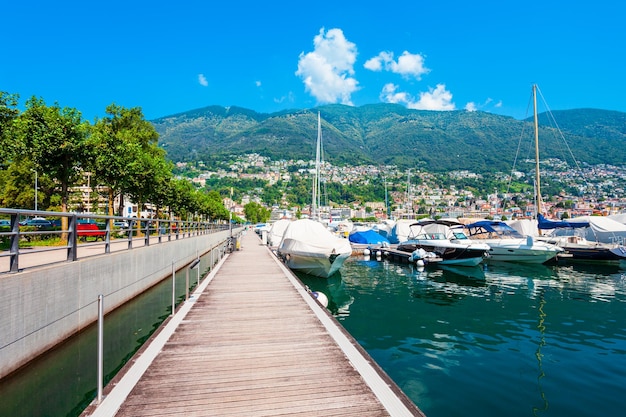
(392, 134)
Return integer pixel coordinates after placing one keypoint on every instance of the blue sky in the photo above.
(174, 56)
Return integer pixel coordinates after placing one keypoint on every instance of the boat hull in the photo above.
(595, 253)
(319, 262)
(460, 255)
(501, 251)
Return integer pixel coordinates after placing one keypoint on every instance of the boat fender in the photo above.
(366, 251)
(417, 254)
(419, 262)
(529, 240)
(320, 297)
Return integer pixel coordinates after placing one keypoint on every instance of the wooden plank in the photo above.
(250, 346)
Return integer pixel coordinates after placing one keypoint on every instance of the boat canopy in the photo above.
(546, 224)
(369, 237)
(490, 226)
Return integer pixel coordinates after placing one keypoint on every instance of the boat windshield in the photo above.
(460, 235)
(492, 229)
(430, 236)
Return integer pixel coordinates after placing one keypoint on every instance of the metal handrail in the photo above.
(138, 233)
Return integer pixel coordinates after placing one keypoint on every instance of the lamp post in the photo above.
(36, 190)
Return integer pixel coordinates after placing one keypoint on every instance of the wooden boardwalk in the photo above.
(253, 342)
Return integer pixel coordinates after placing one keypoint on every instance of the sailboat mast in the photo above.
(537, 176)
(316, 178)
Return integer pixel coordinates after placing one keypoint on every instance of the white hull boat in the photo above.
(307, 246)
(434, 236)
(508, 245)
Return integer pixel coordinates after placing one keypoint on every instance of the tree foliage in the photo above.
(256, 213)
(54, 139)
(391, 134)
(120, 151)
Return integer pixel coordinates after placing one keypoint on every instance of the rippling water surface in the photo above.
(500, 340)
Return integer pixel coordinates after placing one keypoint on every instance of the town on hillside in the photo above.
(593, 190)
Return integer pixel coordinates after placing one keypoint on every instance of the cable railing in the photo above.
(33, 238)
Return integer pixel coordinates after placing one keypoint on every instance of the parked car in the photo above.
(86, 230)
(39, 223)
(121, 224)
(5, 223)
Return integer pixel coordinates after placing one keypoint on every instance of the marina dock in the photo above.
(252, 341)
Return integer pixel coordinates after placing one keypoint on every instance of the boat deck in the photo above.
(253, 342)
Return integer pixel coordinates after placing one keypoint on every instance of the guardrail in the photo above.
(101, 234)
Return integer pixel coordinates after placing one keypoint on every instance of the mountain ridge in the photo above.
(392, 134)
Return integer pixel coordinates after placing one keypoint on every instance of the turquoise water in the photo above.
(505, 340)
(63, 382)
(510, 340)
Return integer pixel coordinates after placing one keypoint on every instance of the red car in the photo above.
(86, 230)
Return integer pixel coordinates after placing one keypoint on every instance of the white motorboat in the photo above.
(508, 245)
(433, 237)
(309, 247)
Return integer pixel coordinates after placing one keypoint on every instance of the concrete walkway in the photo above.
(253, 342)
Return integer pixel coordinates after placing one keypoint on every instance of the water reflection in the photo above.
(63, 381)
(506, 339)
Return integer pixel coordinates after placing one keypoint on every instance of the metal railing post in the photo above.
(72, 238)
(147, 233)
(173, 289)
(100, 345)
(186, 284)
(107, 236)
(131, 231)
(194, 265)
(15, 244)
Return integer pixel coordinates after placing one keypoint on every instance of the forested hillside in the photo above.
(392, 134)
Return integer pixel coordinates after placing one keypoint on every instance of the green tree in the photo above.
(8, 114)
(151, 169)
(17, 188)
(272, 194)
(122, 144)
(256, 213)
(54, 139)
(214, 208)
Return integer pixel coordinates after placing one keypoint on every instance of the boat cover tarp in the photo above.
(384, 228)
(525, 227)
(311, 235)
(596, 229)
(400, 231)
(492, 226)
(276, 231)
(546, 224)
(368, 237)
(620, 218)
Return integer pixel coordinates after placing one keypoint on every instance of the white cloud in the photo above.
(202, 80)
(407, 65)
(435, 99)
(471, 106)
(288, 98)
(327, 71)
(257, 83)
